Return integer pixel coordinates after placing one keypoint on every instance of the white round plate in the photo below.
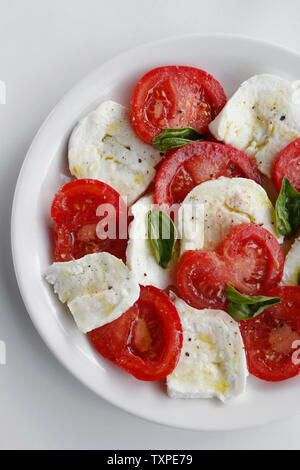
(231, 60)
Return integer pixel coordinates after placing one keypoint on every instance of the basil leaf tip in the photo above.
(246, 307)
(287, 210)
(162, 235)
(174, 138)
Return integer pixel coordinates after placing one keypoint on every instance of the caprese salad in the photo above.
(169, 243)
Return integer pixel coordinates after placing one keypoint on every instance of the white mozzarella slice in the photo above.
(139, 255)
(191, 217)
(292, 265)
(104, 146)
(212, 362)
(227, 202)
(261, 118)
(98, 288)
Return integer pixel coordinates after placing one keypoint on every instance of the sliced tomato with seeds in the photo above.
(250, 259)
(175, 96)
(272, 340)
(145, 341)
(288, 164)
(197, 162)
(74, 212)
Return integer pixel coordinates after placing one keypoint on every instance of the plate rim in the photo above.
(23, 291)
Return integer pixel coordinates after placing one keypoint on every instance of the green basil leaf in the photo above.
(287, 210)
(162, 235)
(298, 279)
(245, 307)
(173, 138)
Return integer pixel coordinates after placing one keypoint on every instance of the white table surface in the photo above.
(45, 48)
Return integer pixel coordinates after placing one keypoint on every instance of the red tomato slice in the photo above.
(74, 213)
(272, 340)
(175, 96)
(145, 341)
(198, 162)
(250, 259)
(288, 164)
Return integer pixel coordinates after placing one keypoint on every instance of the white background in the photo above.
(46, 46)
